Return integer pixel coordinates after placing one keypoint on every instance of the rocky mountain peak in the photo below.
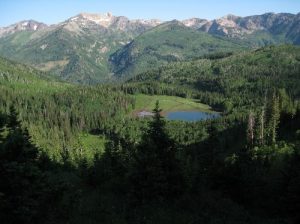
(230, 17)
(229, 25)
(108, 21)
(104, 20)
(195, 23)
(26, 25)
(29, 25)
(93, 16)
(227, 21)
(239, 27)
(150, 22)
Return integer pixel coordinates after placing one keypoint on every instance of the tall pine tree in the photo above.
(21, 182)
(155, 173)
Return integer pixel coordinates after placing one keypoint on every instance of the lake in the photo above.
(191, 115)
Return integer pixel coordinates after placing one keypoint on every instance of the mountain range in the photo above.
(93, 48)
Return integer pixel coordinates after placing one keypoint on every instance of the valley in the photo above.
(106, 119)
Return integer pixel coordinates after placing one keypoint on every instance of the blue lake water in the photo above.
(191, 115)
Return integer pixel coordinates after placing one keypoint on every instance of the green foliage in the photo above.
(57, 113)
(155, 172)
(94, 163)
(228, 83)
(22, 181)
(79, 58)
(169, 42)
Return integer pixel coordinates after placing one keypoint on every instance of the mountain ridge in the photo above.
(227, 21)
(87, 48)
(24, 25)
(168, 42)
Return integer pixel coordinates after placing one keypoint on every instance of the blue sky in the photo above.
(53, 11)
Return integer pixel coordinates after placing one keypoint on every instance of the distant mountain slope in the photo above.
(27, 25)
(76, 50)
(93, 48)
(168, 42)
(17, 77)
(258, 30)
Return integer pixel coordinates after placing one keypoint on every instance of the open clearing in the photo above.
(168, 104)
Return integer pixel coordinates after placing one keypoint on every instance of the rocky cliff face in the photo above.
(195, 23)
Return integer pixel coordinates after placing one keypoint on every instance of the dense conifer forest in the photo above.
(77, 154)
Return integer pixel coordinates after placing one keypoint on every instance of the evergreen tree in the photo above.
(155, 173)
(21, 182)
(13, 120)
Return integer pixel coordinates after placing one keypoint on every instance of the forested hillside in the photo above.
(96, 48)
(59, 115)
(226, 81)
(76, 154)
(168, 42)
(224, 175)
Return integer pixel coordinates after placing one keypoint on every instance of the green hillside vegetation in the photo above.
(16, 75)
(75, 154)
(81, 51)
(59, 115)
(75, 57)
(152, 179)
(265, 38)
(167, 43)
(227, 83)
